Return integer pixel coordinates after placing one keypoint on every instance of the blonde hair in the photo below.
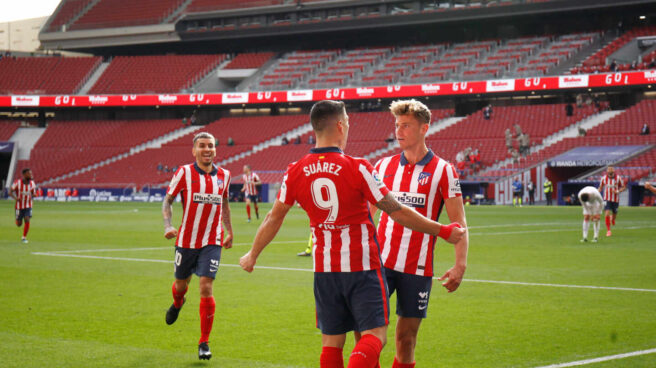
(412, 107)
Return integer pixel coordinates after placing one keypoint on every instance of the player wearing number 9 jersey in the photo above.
(349, 285)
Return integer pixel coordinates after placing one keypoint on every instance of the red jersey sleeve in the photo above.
(372, 186)
(287, 190)
(450, 183)
(177, 182)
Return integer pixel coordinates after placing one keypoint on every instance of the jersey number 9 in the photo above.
(330, 203)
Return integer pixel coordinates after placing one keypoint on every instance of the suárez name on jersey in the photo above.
(322, 167)
(207, 198)
(410, 199)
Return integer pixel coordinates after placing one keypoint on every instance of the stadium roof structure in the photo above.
(186, 29)
(595, 156)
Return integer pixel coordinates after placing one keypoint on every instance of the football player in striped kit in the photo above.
(22, 191)
(610, 186)
(420, 179)
(349, 285)
(251, 182)
(203, 188)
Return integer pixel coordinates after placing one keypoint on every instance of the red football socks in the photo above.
(396, 364)
(248, 210)
(26, 228)
(366, 352)
(331, 357)
(178, 297)
(257, 210)
(207, 307)
(607, 222)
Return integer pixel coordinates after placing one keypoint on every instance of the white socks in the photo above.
(586, 227)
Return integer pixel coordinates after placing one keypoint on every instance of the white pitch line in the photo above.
(601, 359)
(310, 270)
(153, 248)
(560, 285)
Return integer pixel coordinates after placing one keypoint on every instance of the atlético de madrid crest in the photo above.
(423, 178)
(219, 183)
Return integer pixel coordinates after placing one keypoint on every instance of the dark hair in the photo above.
(584, 197)
(25, 170)
(324, 110)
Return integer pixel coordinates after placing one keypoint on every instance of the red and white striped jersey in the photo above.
(202, 198)
(423, 187)
(334, 189)
(249, 183)
(24, 192)
(611, 185)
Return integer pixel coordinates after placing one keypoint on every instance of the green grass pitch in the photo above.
(92, 287)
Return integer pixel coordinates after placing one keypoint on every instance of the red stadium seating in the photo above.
(45, 75)
(249, 60)
(69, 9)
(7, 129)
(154, 74)
(598, 61)
(68, 146)
(141, 168)
(122, 13)
(538, 121)
(623, 129)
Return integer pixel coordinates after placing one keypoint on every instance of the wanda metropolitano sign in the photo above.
(535, 84)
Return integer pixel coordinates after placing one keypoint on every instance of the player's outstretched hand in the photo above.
(227, 241)
(247, 262)
(454, 276)
(452, 232)
(170, 232)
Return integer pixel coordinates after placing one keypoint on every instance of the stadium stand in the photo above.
(291, 68)
(249, 60)
(623, 129)
(155, 74)
(423, 63)
(68, 10)
(7, 129)
(68, 146)
(538, 121)
(45, 75)
(599, 61)
(123, 13)
(141, 168)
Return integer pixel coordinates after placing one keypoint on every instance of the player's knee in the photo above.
(19, 223)
(407, 341)
(205, 287)
(586, 218)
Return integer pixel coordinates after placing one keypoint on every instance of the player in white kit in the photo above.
(593, 205)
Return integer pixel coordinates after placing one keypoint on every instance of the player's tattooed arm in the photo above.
(167, 214)
(227, 224)
(407, 217)
(388, 204)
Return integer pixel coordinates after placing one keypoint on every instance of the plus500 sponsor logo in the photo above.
(411, 199)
